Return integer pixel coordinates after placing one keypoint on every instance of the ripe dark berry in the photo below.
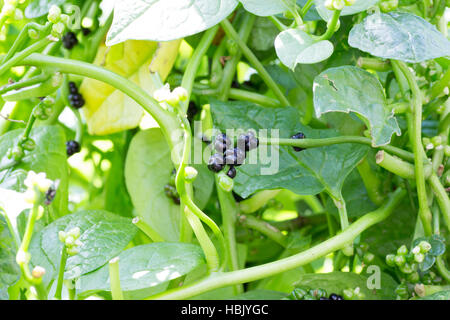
(248, 141)
(232, 172)
(72, 147)
(215, 163)
(73, 88)
(49, 196)
(299, 135)
(335, 296)
(69, 40)
(234, 156)
(86, 31)
(176, 200)
(76, 100)
(222, 143)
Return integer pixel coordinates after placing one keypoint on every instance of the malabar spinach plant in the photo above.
(184, 149)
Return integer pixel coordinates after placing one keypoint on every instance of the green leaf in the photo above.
(441, 295)
(9, 269)
(49, 156)
(39, 8)
(437, 244)
(351, 89)
(398, 228)
(260, 294)
(162, 20)
(307, 173)
(358, 6)
(336, 282)
(295, 46)
(262, 35)
(410, 38)
(104, 235)
(146, 266)
(268, 7)
(148, 168)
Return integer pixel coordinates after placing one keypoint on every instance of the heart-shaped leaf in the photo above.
(295, 46)
(399, 35)
(307, 172)
(351, 89)
(146, 266)
(162, 20)
(104, 235)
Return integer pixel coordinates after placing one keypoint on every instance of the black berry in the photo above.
(86, 31)
(215, 163)
(69, 40)
(232, 172)
(335, 296)
(222, 143)
(76, 100)
(72, 147)
(299, 135)
(234, 156)
(73, 87)
(248, 141)
(49, 196)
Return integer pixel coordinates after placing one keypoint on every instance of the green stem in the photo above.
(264, 228)
(229, 212)
(306, 7)
(399, 167)
(342, 209)
(229, 30)
(315, 143)
(419, 153)
(230, 67)
(443, 271)
(371, 182)
(257, 201)
(114, 279)
(62, 268)
(331, 28)
(17, 58)
(238, 94)
(24, 83)
(255, 273)
(149, 231)
(280, 26)
(164, 118)
(194, 62)
(441, 197)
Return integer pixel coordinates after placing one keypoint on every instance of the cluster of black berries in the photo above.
(69, 40)
(170, 190)
(299, 135)
(332, 296)
(72, 147)
(75, 98)
(228, 155)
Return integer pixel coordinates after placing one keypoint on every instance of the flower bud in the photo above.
(54, 14)
(403, 250)
(419, 257)
(22, 257)
(390, 260)
(181, 93)
(58, 29)
(62, 236)
(338, 4)
(424, 246)
(190, 173)
(399, 260)
(74, 232)
(38, 272)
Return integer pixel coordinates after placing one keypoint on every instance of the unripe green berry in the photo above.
(54, 14)
(348, 294)
(17, 153)
(225, 182)
(402, 291)
(390, 260)
(403, 250)
(348, 250)
(368, 257)
(413, 277)
(399, 260)
(29, 144)
(406, 268)
(424, 246)
(419, 257)
(436, 141)
(298, 293)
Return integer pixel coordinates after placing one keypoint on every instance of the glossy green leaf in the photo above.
(399, 35)
(49, 156)
(263, 35)
(39, 8)
(336, 282)
(9, 269)
(351, 89)
(437, 244)
(358, 6)
(268, 7)
(148, 168)
(104, 235)
(295, 46)
(161, 20)
(146, 266)
(398, 228)
(308, 172)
